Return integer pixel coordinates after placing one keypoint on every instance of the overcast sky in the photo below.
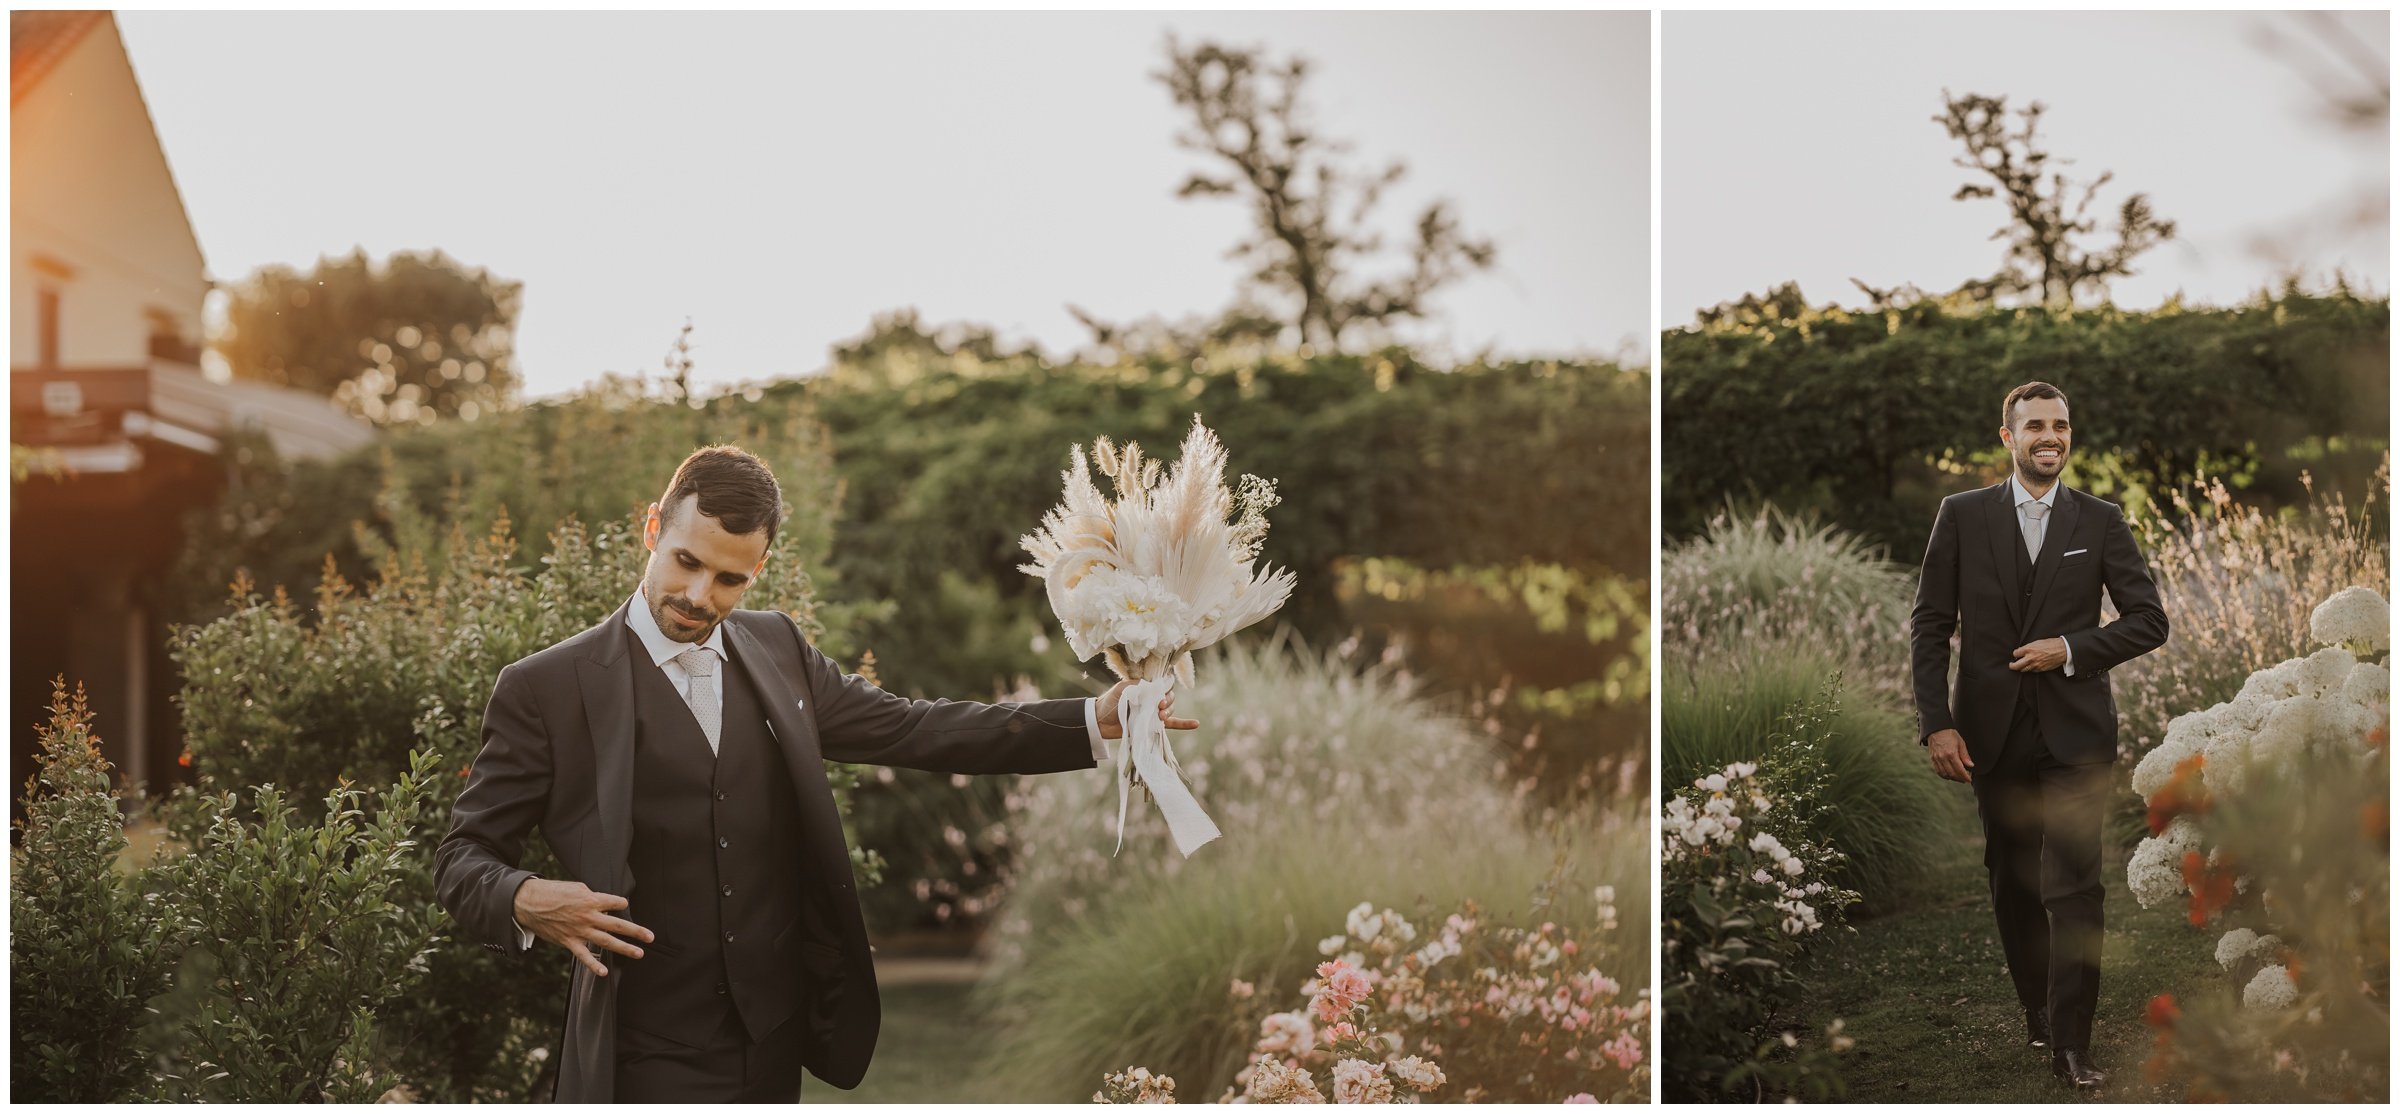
(1802, 146)
(780, 177)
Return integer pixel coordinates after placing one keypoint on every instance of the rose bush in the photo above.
(1476, 1013)
(1742, 893)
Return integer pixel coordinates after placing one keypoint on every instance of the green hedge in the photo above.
(1868, 417)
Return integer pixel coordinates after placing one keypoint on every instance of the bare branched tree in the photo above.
(2047, 213)
(1312, 233)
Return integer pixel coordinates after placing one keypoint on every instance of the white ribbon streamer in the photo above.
(1148, 753)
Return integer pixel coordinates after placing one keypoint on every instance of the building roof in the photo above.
(37, 40)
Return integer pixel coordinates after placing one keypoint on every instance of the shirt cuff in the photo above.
(1091, 729)
(2062, 640)
(524, 938)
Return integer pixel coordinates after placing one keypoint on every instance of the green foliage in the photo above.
(1867, 418)
(314, 929)
(87, 947)
(417, 338)
(1745, 890)
(1342, 786)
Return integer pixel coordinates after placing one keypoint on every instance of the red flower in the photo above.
(2184, 793)
(2212, 887)
(2162, 1012)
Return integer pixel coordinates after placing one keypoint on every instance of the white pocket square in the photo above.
(804, 703)
(2072, 552)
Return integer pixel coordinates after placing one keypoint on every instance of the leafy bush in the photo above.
(87, 948)
(1868, 417)
(1328, 781)
(1739, 905)
(313, 931)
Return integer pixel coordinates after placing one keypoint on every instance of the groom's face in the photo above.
(697, 570)
(2038, 438)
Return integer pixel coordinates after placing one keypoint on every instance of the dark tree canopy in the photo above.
(420, 337)
(2048, 215)
(1312, 236)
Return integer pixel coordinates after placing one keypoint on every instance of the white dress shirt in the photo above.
(2049, 501)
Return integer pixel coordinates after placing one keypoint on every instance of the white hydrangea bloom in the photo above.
(2187, 735)
(2271, 989)
(2353, 615)
(2155, 871)
(2272, 683)
(2369, 686)
(2235, 946)
(2325, 670)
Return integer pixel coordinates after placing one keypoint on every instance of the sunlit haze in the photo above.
(778, 178)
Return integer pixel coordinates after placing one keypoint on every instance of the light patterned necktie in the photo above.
(2035, 512)
(701, 663)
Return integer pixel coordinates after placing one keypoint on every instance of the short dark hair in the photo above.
(734, 487)
(2037, 389)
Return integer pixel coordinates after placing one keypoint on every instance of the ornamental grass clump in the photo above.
(1348, 783)
(2239, 586)
(2270, 816)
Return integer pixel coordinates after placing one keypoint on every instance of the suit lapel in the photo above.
(2000, 523)
(2063, 511)
(606, 682)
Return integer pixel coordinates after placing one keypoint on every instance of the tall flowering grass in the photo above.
(1347, 783)
(2239, 585)
(2271, 817)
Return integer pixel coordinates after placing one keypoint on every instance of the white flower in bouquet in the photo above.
(1166, 567)
(2271, 989)
(2272, 683)
(2354, 616)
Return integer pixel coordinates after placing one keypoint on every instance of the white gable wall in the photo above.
(90, 189)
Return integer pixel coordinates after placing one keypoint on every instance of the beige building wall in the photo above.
(94, 215)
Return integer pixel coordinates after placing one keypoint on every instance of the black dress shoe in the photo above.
(2076, 1070)
(2037, 1029)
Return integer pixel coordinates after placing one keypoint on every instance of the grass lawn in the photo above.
(927, 1052)
(1927, 995)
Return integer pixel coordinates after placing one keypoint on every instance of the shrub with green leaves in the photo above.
(1743, 892)
(87, 947)
(313, 930)
(1871, 416)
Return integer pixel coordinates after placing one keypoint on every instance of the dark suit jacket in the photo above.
(558, 754)
(1969, 585)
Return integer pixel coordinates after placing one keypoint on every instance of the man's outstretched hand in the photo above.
(572, 916)
(1949, 751)
(1111, 728)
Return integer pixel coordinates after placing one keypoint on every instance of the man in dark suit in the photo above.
(673, 756)
(2017, 571)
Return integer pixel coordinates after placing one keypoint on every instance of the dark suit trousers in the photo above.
(2041, 830)
(651, 1068)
